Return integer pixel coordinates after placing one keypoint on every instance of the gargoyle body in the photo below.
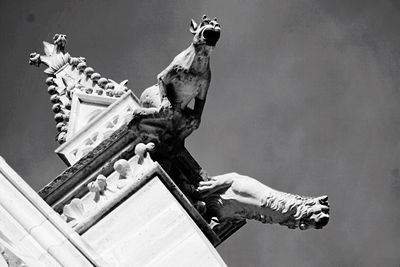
(187, 78)
(166, 119)
(235, 196)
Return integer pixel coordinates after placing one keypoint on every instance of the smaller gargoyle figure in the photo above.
(98, 187)
(125, 172)
(234, 196)
(60, 40)
(186, 78)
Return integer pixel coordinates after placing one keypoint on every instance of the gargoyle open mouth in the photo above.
(211, 36)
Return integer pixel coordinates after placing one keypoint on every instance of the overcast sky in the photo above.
(304, 97)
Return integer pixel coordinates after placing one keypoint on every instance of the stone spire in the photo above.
(68, 75)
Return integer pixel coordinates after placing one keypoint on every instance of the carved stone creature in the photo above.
(186, 78)
(235, 196)
(98, 186)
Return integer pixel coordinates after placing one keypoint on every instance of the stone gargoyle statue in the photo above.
(166, 119)
(234, 196)
(186, 78)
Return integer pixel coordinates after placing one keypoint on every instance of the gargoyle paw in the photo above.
(208, 185)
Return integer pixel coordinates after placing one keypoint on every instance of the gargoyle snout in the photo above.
(316, 221)
(211, 34)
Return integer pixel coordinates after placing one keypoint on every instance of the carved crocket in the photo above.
(235, 196)
(186, 78)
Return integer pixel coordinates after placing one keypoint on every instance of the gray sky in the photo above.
(304, 97)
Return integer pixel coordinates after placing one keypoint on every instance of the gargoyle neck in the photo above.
(200, 57)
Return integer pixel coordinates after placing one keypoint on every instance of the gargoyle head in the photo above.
(207, 33)
(313, 214)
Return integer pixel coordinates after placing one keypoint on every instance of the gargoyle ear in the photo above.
(193, 26)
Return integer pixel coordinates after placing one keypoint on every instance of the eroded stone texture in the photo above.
(165, 116)
(31, 233)
(235, 196)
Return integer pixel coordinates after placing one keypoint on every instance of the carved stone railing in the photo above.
(105, 192)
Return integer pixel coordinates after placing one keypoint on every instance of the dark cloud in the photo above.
(304, 97)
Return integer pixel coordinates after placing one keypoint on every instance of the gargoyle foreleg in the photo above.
(213, 185)
(198, 111)
(154, 101)
(165, 103)
(240, 196)
(145, 111)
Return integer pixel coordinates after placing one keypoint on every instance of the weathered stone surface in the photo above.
(73, 181)
(186, 79)
(32, 234)
(105, 193)
(151, 228)
(234, 196)
(103, 175)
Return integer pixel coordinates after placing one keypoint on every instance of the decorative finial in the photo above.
(75, 76)
(55, 57)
